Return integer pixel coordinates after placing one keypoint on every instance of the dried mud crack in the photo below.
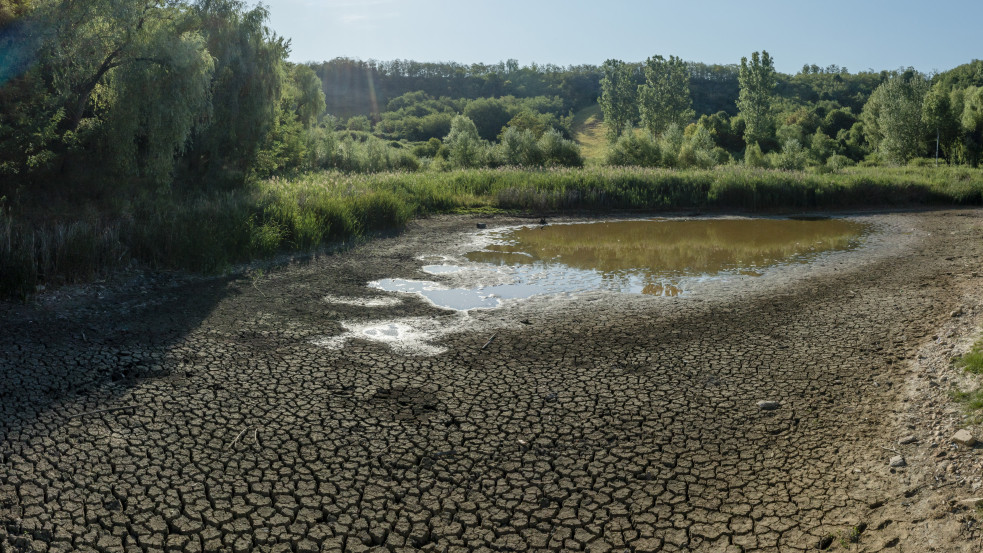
(203, 415)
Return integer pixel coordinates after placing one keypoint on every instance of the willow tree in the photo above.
(286, 143)
(123, 77)
(246, 88)
(466, 147)
(664, 99)
(892, 117)
(308, 98)
(156, 105)
(757, 80)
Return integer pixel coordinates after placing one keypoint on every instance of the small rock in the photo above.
(482, 225)
(898, 461)
(907, 440)
(768, 405)
(963, 437)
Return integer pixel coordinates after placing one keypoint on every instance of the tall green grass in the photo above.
(209, 231)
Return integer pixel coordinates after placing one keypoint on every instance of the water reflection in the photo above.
(654, 257)
(664, 249)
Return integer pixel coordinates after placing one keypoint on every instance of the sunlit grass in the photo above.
(590, 133)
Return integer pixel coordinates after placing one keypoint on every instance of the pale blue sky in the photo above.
(858, 34)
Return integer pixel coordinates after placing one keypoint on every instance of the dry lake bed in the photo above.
(511, 389)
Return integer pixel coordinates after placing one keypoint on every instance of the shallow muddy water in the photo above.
(656, 257)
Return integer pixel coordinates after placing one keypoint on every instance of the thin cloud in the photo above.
(365, 19)
(346, 3)
(354, 18)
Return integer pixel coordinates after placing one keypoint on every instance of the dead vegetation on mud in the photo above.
(207, 415)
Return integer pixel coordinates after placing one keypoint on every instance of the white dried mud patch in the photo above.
(409, 336)
(384, 301)
(419, 336)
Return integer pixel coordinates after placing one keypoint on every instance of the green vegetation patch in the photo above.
(971, 362)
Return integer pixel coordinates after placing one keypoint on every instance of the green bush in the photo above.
(671, 144)
(519, 148)
(373, 155)
(359, 123)
(837, 162)
(753, 157)
(924, 162)
(793, 156)
(558, 151)
(633, 150)
(465, 147)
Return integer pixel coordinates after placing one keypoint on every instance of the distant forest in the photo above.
(357, 87)
(806, 118)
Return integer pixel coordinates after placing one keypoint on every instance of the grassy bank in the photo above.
(209, 231)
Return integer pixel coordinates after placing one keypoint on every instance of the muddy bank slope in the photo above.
(221, 414)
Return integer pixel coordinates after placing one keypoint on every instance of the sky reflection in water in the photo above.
(655, 257)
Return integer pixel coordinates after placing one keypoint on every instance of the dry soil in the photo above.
(229, 414)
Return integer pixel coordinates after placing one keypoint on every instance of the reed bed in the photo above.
(210, 231)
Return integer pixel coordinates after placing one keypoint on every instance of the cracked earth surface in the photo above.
(208, 415)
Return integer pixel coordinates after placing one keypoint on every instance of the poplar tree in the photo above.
(940, 117)
(618, 97)
(664, 99)
(757, 81)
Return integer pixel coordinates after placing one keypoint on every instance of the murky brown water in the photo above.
(655, 257)
(672, 248)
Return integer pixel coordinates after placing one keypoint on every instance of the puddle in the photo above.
(654, 257)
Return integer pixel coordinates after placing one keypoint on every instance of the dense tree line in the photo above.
(106, 92)
(822, 117)
(785, 120)
(143, 94)
(356, 87)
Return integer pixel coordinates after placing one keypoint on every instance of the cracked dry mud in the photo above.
(202, 415)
